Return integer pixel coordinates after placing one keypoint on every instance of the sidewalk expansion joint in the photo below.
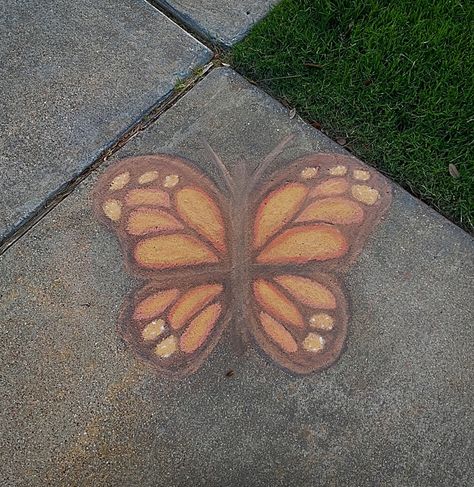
(181, 88)
(215, 46)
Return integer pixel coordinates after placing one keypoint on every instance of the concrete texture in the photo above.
(74, 76)
(224, 22)
(78, 409)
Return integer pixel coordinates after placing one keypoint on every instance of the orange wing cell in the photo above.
(199, 211)
(199, 328)
(278, 333)
(276, 303)
(308, 291)
(302, 244)
(147, 197)
(192, 302)
(143, 221)
(171, 251)
(332, 210)
(277, 209)
(330, 187)
(155, 304)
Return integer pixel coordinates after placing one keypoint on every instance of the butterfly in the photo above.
(265, 253)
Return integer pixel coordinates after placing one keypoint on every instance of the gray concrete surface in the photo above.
(78, 409)
(74, 76)
(224, 22)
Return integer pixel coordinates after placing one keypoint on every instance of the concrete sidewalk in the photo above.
(222, 23)
(78, 408)
(75, 77)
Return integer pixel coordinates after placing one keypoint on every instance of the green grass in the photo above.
(393, 78)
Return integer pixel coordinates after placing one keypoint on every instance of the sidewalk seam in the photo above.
(150, 116)
(214, 45)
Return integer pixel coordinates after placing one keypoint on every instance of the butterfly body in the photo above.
(267, 256)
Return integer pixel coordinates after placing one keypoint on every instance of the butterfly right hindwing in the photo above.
(299, 320)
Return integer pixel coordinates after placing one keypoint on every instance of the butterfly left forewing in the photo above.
(169, 217)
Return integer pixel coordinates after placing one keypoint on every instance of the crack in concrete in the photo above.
(212, 44)
(153, 113)
(150, 116)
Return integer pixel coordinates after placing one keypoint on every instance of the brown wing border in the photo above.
(141, 164)
(182, 365)
(356, 234)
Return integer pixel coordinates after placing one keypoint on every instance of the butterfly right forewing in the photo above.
(318, 213)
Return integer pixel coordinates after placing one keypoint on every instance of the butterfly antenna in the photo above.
(257, 174)
(223, 169)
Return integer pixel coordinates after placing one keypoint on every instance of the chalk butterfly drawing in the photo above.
(267, 255)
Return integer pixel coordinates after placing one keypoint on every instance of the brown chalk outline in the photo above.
(237, 269)
(180, 364)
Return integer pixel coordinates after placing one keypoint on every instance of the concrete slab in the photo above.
(224, 22)
(79, 409)
(75, 76)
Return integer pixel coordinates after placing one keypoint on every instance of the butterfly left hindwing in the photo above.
(175, 328)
